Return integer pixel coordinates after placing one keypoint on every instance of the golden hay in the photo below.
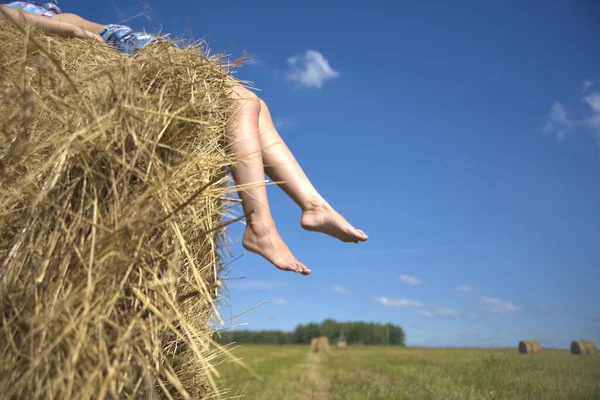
(341, 344)
(319, 345)
(112, 181)
(530, 347)
(583, 347)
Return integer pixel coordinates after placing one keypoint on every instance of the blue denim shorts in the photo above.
(125, 40)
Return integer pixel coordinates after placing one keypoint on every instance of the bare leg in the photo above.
(78, 21)
(261, 235)
(281, 166)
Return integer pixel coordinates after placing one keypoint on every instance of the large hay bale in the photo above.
(530, 347)
(111, 186)
(583, 347)
(319, 345)
(341, 344)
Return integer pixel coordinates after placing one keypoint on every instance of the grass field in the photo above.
(369, 372)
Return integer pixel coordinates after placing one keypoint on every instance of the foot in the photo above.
(323, 218)
(263, 239)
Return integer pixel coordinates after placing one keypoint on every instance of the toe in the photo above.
(363, 236)
(291, 267)
(302, 269)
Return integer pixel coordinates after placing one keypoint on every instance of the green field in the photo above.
(373, 372)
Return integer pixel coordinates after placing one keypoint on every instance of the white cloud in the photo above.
(593, 100)
(467, 288)
(410, 280)
(310, 69)
(280, 301)
(562, 122)
(339, 289)
(558, 121)
(595, 315)
(593, 120)
(400, 303)
(440, 312)
(494, 305)
(252, 285)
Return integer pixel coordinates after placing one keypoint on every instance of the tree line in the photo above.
(350, 332)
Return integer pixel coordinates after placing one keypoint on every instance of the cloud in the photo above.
(252, 285)
(310, 70)
(467, 288)
(410, 280)
(280, 301)
(562, 121)
(595, 315)
(558, 121)
(339, 289)
(285, 123)
(399, 303)
(440, 312)
(593, 121)
(593, 100)
(491, 304)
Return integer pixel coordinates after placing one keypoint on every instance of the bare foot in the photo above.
(263, 239)
(323, 218)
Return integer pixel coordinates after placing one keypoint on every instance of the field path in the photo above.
(316, 384)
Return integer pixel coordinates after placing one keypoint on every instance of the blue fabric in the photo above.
(125, 40)
(45, 9)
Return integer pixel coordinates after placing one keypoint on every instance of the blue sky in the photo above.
(464, 138)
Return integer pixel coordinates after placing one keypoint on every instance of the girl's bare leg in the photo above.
(281, 166)
(261, 235)
(78, 21)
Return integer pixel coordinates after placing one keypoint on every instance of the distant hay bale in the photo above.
(319, 345)
(583, 347)
(112, 181)
(530, 347)
(341, 344)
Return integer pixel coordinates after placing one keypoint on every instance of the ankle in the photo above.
(315, 204)
(260, 225)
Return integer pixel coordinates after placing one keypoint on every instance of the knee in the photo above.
(246, 98)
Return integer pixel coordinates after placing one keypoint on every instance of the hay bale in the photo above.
(316, 345)
(583, 347)
(530, 347)
(111, 186)
(341, 344)
(319, 345)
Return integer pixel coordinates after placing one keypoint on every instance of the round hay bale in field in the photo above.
(341, 344)
(313, 345)
(583, 347)
(319, 345)
(112, 186)
(530, 347)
